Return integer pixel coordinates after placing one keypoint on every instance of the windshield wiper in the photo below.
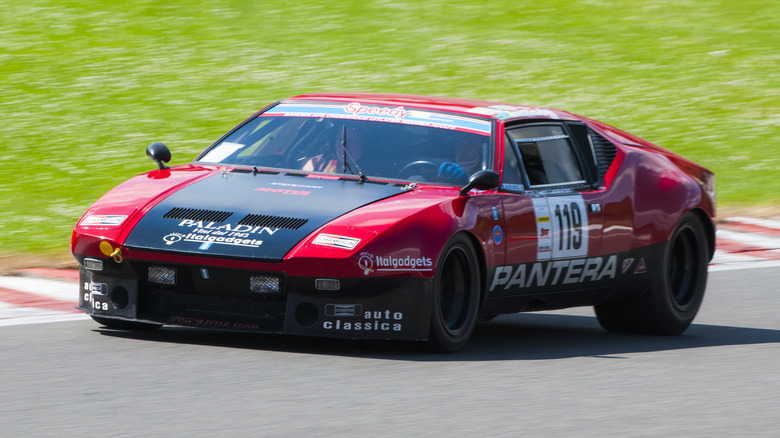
(345, 154)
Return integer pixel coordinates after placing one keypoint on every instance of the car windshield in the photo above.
(386, 143)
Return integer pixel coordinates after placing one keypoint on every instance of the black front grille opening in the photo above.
(210, 281)
(261, 220)
(195, 214)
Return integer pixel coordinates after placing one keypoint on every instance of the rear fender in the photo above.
(662, 194)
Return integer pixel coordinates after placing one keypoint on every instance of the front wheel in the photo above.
(677, 290)
(456, 287)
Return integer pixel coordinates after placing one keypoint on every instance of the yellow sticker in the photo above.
(106, 248)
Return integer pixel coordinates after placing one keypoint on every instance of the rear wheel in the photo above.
(455, 296)
(120, 324)
(677, 290)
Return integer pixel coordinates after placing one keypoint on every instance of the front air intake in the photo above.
(195, 214)
(261, 220)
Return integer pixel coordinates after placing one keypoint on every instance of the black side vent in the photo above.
(241, 170)
(197, 215)
(261, 220)
(296, 174)
(267, 172)
(604, 150)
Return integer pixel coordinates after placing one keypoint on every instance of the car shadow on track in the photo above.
(527, 336)
(541, 336)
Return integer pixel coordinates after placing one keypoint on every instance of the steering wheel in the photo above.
(426, 170)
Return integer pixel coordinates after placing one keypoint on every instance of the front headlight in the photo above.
(162, 275)
(265, 284)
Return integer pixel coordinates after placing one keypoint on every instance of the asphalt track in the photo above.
(541, 374)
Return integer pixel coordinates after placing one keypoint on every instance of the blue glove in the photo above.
(452, 172)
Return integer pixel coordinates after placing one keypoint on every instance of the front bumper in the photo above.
(225, 298)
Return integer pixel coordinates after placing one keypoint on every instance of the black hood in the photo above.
(250, 215)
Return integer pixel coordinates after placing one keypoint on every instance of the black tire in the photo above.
(119, 324)
(677, 290)
(456, 292)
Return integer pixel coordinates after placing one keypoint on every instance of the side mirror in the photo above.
(159, 153)
(482, 180)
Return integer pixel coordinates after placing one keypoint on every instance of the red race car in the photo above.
(382, 216)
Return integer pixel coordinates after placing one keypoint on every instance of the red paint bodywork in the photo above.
(642, 196)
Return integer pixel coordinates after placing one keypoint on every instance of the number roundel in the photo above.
(562, 227)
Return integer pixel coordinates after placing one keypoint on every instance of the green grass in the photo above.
(86, 85)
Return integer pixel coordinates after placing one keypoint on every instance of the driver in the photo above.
(468, 157)
(335, 163)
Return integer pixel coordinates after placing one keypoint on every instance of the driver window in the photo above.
(547, 155)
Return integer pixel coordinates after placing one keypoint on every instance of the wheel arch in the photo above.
(457, 293)
(481, 262)
(709, 229)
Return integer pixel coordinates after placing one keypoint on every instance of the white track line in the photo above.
(63, 290)
(18, 315)
(766, 223)
(745, 265)
(730, 257)
(758, 240)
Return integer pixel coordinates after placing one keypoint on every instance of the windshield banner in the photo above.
(382, 113)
